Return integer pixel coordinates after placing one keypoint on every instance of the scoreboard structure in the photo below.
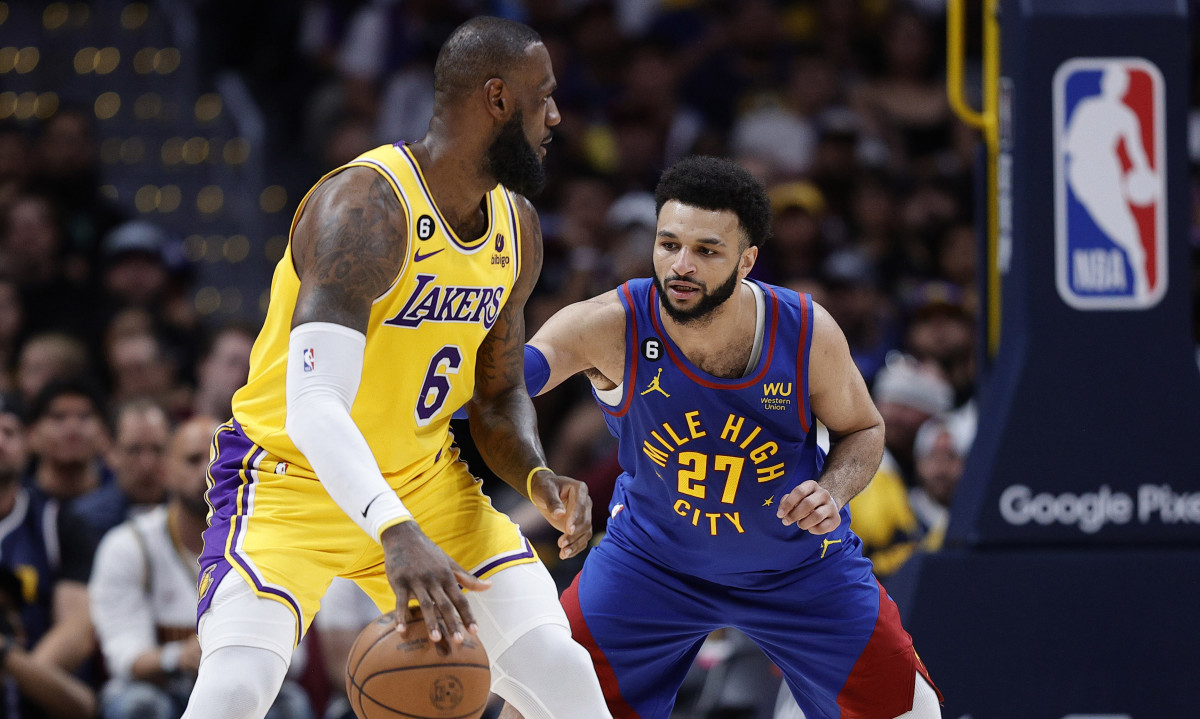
(1072, 564)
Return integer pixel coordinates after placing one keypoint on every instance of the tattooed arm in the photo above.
(347, 249)
(503, 423)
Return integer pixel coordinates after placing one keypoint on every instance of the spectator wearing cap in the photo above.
(797, 247)
(865, 314)
(940, 449)
(907, 393)
(632, 221)
(144, 270)
(135, 264)
(941, 332)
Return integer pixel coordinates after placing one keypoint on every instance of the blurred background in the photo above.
(152, 155)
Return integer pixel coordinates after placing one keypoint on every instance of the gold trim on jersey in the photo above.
(422, 336)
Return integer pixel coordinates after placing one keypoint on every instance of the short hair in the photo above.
(212, 335)
(67, 387)
(137, 406)
(477, 51)
(713, 183)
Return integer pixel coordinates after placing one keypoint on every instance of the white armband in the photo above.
(324, 369)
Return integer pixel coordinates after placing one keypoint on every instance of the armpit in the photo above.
(598, 380)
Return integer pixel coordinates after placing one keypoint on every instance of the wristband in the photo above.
(168, 657)
(529, 479)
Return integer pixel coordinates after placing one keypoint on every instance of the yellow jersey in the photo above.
(422, 337)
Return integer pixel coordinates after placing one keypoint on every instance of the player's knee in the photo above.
(555, 651)
(239, 682)
(249, 696)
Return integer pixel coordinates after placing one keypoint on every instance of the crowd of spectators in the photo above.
(107, 369)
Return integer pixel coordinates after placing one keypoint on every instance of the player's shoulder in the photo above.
(527, 214)
(602, 316)
(822, 320)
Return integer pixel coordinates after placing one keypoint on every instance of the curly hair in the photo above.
(713, 183)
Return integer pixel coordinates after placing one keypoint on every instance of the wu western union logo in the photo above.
(776, 395)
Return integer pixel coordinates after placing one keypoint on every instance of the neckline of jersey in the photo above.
(695, 373)
(437, 211)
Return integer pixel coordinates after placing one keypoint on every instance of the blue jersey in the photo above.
(706, 459)
(29, 548)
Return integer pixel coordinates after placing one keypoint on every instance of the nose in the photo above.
(552, 116)
(684, 263)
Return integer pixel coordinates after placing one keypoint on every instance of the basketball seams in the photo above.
(367, 651)
(351, 674)
(374, 689)
(475, 712)
(425, 666)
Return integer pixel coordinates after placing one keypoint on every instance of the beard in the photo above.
(709, 301)
(194, 505)
(513, 161)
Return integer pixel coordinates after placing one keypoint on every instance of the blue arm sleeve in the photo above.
(537, 372)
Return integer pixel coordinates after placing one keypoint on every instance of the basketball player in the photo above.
(728, 513)
(398, 300)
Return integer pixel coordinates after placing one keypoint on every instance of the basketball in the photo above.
(389, 675)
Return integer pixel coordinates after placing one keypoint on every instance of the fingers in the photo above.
(793, 498)
(811, 508)
(552, 504)
(444, 607)
(827, 525)
(577, 527)
(402, 597)
(570, 547)
(470, 581)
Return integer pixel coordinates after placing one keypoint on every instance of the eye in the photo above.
(668, 245)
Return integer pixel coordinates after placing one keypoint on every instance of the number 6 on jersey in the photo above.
(436, 388)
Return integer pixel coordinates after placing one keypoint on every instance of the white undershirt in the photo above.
(612, 397)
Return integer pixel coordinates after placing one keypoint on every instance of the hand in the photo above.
(810, 507)
(189, 659)
(565, 503)
(419, 569)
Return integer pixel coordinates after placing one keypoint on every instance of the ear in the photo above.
(746, 261)
(498, 99)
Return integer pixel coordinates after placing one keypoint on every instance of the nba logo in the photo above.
(310, 361)
(1109, 184)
